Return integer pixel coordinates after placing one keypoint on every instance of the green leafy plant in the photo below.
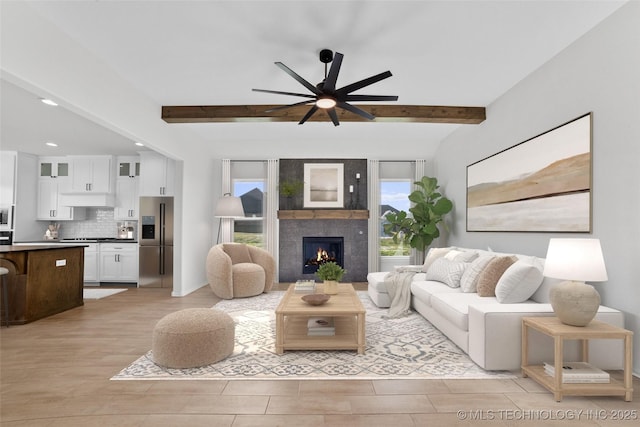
(330, 271)
(290, 188)
(429, 209)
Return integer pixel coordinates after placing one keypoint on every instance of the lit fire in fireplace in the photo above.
(322, 256)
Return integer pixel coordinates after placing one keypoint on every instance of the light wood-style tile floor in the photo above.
(55, 372)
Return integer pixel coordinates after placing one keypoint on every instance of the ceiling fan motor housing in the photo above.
(326, 56)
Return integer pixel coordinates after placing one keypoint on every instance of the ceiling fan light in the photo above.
(326, 102)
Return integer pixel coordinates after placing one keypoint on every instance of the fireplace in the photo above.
(319, 250)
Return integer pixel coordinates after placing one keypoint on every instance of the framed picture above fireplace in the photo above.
(323, 185)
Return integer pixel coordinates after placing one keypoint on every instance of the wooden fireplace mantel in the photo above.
(323, 214)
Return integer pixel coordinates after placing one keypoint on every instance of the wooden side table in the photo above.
(557, 330)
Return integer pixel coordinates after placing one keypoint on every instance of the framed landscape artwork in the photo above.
(540, 185)
(323, 185)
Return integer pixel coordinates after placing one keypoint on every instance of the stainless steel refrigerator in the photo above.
(156, 242)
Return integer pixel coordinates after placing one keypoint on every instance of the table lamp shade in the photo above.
(575, 260)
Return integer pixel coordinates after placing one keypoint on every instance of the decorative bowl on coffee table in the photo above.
(315, 299)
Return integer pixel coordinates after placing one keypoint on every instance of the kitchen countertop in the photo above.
(73, 241)
(28, 247)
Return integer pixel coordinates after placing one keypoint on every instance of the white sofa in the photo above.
(490, 331)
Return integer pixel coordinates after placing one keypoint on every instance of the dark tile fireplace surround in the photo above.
(297, 222)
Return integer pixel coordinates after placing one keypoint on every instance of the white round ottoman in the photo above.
(193, 337)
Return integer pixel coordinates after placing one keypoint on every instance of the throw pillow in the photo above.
(452, 254)
(432, 255)
(446, 271)
(518, 283)
(491, 274)
(469, 280)
(464, 256)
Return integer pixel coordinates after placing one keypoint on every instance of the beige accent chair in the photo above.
(236, 270)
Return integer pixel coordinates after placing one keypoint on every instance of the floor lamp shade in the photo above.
(576, 261)
(228, 207)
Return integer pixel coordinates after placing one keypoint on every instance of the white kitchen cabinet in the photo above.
(157, 174)
(127, 200)
(53, 167)
(127, 188)
(48, 205)
(119, 262)
(91, 262)
(92, 174)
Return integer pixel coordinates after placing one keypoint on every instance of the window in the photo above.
(249, 229)
(394, 197)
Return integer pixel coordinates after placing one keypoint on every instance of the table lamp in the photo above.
(576, 261)
(228, 207)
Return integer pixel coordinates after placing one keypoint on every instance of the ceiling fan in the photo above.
(324, 95)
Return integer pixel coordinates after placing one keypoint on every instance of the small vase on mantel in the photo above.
(330, 287)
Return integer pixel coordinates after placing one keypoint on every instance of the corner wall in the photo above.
(598, 73)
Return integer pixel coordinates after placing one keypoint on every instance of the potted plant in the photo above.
(330, 273)
(429, 209)
(289, 189)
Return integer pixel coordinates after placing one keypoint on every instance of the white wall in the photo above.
(598, 73)
(39, 57)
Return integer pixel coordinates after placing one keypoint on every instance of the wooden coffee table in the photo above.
(345, 307)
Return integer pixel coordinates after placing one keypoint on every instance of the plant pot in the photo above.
(330, 287)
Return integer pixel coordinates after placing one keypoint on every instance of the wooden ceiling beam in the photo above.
(383, 113)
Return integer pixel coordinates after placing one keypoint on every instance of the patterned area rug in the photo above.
(406, 348)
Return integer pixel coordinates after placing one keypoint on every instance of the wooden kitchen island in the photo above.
(42, 280)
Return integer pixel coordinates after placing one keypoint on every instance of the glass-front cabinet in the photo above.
(53, 167)
(128, 167)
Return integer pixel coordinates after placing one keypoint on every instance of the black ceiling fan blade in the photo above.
(283, 107)
(355, 110)
(279, 92)
(370, 98)
(309, 114)
(300, 80)
(330, 82)
(334, 117)
(362, 83)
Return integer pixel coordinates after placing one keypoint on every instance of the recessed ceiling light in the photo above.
(51, 144)
(139, 144)
(48, 102)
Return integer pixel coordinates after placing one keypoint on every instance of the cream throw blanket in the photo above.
(398, 285)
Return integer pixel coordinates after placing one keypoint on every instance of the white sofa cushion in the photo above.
(518, 283)
(376, 281)
(424, 289)
(455, 307)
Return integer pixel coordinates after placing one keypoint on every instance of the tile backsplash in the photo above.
(98, 223)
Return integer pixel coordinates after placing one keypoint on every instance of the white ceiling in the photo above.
(215, 52)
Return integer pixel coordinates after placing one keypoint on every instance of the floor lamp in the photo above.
(228, 207)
